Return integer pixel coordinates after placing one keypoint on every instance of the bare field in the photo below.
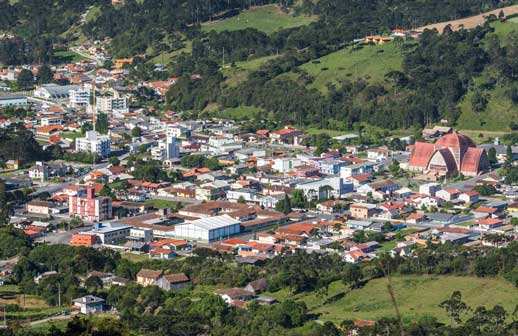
(472, 21)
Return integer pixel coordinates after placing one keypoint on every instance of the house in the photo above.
(448, 194)
(489, 223)
(378, 154)
(288, 135)
(257, 286)
(147, 277)
(332, 206)
(429, 189)
(235, 294)
(362, 210)
(162, 253)
(469, 196)
(89, 304)
(173, 282)
(354, 257)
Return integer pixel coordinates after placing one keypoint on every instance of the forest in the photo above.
(155, 312)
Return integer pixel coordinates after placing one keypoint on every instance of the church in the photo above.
(451, 154)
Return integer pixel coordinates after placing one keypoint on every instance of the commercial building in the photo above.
(54, 91)
(94, 143)
(208, 229)
(12, 100)
(90, 207)
(110, 232)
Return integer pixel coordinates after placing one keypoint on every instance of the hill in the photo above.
(416, 297)
(268, 19)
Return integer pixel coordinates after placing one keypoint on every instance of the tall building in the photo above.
(90, 207)
(451, 154)
(79, 97)
(109, 104)
(94, 143)
(167, 150)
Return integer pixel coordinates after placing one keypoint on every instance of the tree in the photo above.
(491, 155)
(241, 200)
(114, 161)
(25, 79)
(101, 123)
(298, 199)
(106, 191)
(87, 126)
(394, 168)
(454, 307)
(485, 189)
(136, 132)
(352, 275)
(508, 154)
(284, 205)
(45, 74)
(4, 207)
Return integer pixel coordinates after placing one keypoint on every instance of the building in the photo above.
(38, 207)
(362, 210)
(86, 240)
(451, 154)
(80, 97)
(110, 104)
(147, 277)
(43, 170)
(173, 282)
(110, 232)
(208, 229)
(54, 91)
(235, 294)
(89, 304)
(12, 100)
(94, 143)
(166, 150)
(89, 207)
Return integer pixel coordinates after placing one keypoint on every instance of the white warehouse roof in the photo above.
(211, 223)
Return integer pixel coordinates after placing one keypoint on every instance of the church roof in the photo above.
(421, 154)
(456, 140)
(471, 160)
(448, 159)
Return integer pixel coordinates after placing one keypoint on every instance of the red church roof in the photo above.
(471, 160)
(456, 140)
(421, 154)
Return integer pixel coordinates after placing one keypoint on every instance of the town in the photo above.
(116, 203)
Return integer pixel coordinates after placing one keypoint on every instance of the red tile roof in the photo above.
(456, 140)
(471, 160)
(421, 154)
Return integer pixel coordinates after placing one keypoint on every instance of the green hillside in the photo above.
(367, 62)
(267, 19)
(415, 296)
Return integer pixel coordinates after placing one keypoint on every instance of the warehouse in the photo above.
(208, 229)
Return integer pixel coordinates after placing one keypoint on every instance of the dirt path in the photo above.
(472, 21)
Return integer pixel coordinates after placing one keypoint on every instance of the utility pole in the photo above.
(59, 295)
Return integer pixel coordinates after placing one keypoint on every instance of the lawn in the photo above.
(135, 258)
(416, 296)
(66, 56)
(72, 136)
(161, 204)
(369, 62)
(268, 19)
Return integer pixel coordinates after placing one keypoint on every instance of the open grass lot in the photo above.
(369, 62)
(160, 204)
(67, 56)
(135, 258)
(267, 19)
(415, 295)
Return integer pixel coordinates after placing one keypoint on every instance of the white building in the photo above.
(54, 91)
(208, 229)
(89, 304)
(109, 104)
(80, 97)
(429, 189)
(110, 232)
(94, 143)
(284, 165)
(178, 131)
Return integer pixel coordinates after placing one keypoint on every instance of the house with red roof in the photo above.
(451, 154)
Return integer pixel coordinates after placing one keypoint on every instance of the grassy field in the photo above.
(415, 295)
(161, 204)
(267, 19)
(500, 111)
(369, 62)
(135, 258)
(239, 73)
(62, 57)
(167, 57)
